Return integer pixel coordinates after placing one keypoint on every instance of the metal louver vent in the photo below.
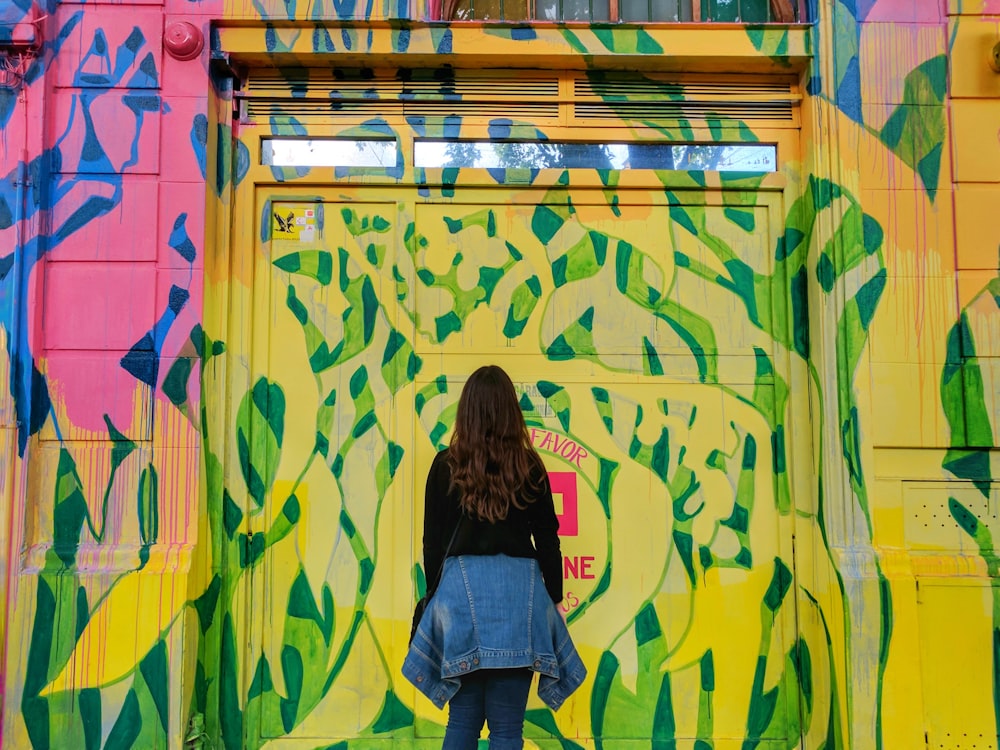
(322, 94)
(668, 110)
(647, 99)
(317, 108)
(319, 94)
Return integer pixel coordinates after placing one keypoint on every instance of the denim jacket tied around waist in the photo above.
(492, 612)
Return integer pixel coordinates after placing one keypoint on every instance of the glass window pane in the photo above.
(576, 10)
(754, 11)
(486, 10)
(600, 10)
(547, 10)
(548, 155)
(515, 10)
(671, 10)
(634, 10)
(341, 152)
(491, 10)
(720, 10)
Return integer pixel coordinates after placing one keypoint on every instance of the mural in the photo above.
(768, 402)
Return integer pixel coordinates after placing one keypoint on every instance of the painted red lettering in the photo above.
(568, 449)
(578, 567)
(570, 601)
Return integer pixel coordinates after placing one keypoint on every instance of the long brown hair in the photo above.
(493, 464)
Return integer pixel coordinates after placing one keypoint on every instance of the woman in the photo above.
(491, 554)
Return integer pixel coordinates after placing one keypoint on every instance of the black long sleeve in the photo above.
(437, 520)
(511, 536)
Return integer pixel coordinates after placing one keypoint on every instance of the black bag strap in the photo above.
(446, 551)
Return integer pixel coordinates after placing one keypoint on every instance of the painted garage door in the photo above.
(648, 340)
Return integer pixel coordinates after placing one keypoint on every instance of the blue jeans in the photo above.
(497, 697)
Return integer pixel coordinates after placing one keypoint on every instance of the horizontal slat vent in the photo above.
(316, 108)
(409, 84)
(645, 88)
(668, 110)
(483, 87)
(320, 94)
(658, 100)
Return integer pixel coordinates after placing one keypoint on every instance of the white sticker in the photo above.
(542, 407)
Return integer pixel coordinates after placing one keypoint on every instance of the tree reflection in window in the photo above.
(327, 152)
(551, 155)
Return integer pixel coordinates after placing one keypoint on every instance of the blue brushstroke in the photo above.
(322, 42)
(418, 124)
(180, 241)
(139, 104)
(401, 39)
(499, 129)
(378, 126)
(199, 142)
(444, 44)
(143, 360)
(849, 91)
(343, 9)
(452, 126)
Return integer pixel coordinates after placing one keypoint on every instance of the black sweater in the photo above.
(512, 536)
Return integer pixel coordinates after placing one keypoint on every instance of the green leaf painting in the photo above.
(260, 425)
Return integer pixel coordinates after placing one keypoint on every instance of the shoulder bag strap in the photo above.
(446, 551)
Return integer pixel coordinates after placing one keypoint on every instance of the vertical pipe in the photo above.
(13, 342)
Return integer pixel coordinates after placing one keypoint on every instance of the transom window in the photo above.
(698, 157)
(628, 11)
(524, 155)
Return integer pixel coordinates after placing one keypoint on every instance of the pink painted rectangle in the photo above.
(107, 132)
(194, 8)
(86, 386)
(97, 305)
(184, 124)
(126, 232)
(109, 46)
(564, 484)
